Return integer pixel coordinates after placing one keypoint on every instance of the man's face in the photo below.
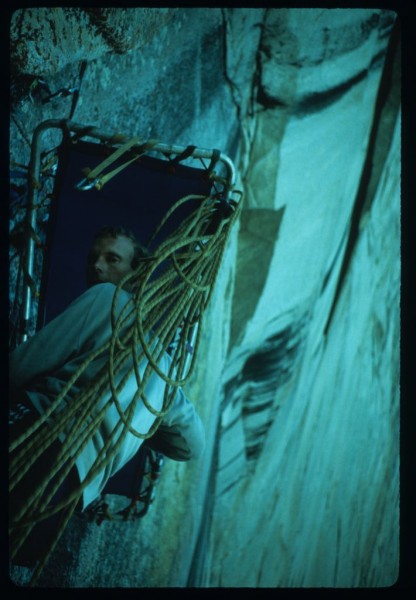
(109, 260)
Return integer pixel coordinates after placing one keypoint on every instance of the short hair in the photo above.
(140, 251)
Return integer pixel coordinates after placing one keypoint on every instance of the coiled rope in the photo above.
(172, 289)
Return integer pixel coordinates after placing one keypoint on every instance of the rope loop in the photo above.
(170, 292)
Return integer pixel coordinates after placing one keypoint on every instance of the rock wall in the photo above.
(297, 378)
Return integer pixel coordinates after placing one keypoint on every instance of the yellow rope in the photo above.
(99, 182)
(189, 260)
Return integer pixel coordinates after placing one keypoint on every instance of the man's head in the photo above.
(114, 253)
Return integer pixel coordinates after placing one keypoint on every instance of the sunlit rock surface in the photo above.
(298, 374)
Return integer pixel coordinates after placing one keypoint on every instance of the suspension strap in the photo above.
(183, 155)
(77, 89)
(98, 181)
(214, 159)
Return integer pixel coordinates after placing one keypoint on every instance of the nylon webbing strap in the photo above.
(75, 96)
(183, 155)
(214, 159)
(103, 179)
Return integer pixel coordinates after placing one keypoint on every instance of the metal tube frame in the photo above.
(34, 178)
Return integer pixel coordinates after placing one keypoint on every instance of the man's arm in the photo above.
(181, 434)
(63, 337)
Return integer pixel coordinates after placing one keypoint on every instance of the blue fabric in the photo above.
(127, 481)
(137, 198)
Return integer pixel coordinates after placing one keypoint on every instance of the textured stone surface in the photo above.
(44, 40)
(297, 378)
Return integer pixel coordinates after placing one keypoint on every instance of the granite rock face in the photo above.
(297, 380)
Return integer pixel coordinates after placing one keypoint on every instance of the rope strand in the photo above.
(173, 288)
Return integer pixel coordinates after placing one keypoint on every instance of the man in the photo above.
(115, 252)
(42, 366)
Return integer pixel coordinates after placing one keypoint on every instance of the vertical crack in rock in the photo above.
(275, 86)
(241, 38)
(369, 176)
(234, 89)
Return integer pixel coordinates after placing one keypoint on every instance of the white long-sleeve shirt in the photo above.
(43, 365)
